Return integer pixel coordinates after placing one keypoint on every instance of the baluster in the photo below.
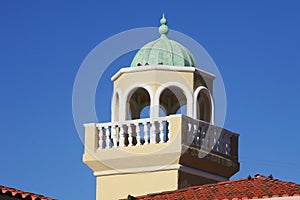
(199, 136)
(228, 152)
(191, 135)
(195, 133)
(205, 139)
(219, 142)
(215, 131)
(211, 138)
(138, 135)
(114, 135)
(146, 131)
(153, 132)
(125, 128)
(161, 131)
(168, 130)
(214, 139)
(122, 136)
(100, 141)
(130, 136)
(107, 138)
(223, 144)
(134, 141)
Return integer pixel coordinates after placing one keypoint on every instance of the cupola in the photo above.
(164, 51)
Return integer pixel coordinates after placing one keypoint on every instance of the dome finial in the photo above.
(163, 29)
(163, 20)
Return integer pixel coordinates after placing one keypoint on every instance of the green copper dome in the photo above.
(164, 51)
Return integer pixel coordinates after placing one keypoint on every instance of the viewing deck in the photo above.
(200, 141)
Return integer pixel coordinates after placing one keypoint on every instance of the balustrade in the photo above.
(139, 132)
(208, 137)
(132, 133)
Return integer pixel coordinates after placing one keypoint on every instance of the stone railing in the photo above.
(195, 133)
(133, 132)
(208, 137)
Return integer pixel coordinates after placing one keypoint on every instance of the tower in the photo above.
(177, 144)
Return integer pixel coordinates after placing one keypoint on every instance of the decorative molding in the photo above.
(161, 67)
(136, 170)
(162, 168)
(89, 125)
(204, 174)
(212, 104)
(187, 93)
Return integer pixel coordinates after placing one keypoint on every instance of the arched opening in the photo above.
(181, 110)
(138, 105)
(162, 111)
(173, 101)
(204, 107)
(145, 113)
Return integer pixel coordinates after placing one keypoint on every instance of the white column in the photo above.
(107, 138)
(130, 135)
(114, 135)
(101, 136)
(161, 131)
(153, 132)
(138, 134)
(121, 137)
(146, 132)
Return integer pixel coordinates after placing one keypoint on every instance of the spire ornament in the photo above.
(163, 29)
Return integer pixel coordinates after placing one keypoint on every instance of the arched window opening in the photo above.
(181, 110)
(171, 100)
(203, 107)
(145, 113)
(138, 105)
(162, 112)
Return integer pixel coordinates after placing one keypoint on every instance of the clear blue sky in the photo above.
(255, 45)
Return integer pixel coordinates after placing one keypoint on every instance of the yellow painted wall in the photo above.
(119, 186)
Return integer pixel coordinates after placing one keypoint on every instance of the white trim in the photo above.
(180, 167)
(164, 111)
(161, 67)
(204, 174)
(129, 91)
(186, 92)
(136, 170)
(89, 125)
(212, 104)
(113, 103)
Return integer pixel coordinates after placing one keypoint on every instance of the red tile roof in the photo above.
(19, 194)
(256, 187)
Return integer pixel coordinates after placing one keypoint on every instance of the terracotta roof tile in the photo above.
(21, 194)
(257, 187)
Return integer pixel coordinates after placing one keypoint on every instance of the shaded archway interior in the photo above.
(139, 99)
(204, 107)
(171, 100)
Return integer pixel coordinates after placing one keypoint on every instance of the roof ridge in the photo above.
(257, 186)
(14, 192)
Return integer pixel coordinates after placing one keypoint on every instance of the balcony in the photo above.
(175, 138)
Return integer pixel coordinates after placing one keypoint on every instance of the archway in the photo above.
(172, 99)
(137, 101)
(203, 105)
